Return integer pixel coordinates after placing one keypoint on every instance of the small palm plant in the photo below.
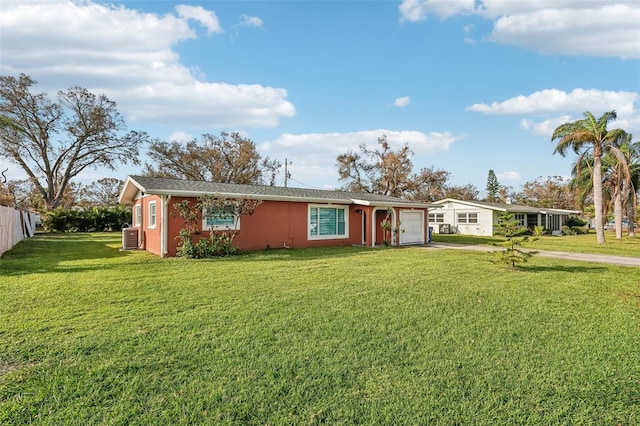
(512, 254)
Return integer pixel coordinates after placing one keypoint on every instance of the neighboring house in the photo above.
(287, 217)
(479, 217)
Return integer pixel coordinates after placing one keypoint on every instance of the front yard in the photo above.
(585, 243)
(92, 335)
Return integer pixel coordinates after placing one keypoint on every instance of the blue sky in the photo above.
(470, 85)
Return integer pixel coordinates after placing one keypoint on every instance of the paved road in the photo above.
(584, 257)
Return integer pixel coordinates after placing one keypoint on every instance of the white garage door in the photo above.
(413, 224)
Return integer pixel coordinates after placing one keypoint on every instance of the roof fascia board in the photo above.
(126, 189)
(472, 204)
(179, 193)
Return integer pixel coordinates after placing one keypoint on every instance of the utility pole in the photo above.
(287, 175)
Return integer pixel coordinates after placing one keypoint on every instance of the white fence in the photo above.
(14, 226)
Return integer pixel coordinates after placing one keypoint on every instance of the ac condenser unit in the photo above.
(129, 238)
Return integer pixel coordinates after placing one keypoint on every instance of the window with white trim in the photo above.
(137, 217)
(467, 218)
(436, 217)
(153, 213)
(220, 220)
(328, 222)
(519, 218)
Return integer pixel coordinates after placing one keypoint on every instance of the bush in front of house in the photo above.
(573, 222)
(574, 226)
(219, 243)
(95, 219)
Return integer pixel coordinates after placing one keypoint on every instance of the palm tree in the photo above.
(620, 180)
(616, 181)
(590, 136)
(631, 151)
(582, 183)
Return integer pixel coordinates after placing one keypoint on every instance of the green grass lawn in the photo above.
(92, 335)
(585, 243)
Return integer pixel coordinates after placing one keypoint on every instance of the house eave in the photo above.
(264, 197)
(129, 191)
(512, 208)
(133, 188)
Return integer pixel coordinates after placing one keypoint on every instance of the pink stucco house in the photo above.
(287, 217)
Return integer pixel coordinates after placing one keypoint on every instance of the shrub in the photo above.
(220, 242)
(538, 231)
(96, 219)
(512, 254)
(573, 222)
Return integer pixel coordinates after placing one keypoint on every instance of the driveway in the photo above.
(582, 257)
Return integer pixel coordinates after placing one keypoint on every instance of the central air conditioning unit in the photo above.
(445, 228)
(129, 238)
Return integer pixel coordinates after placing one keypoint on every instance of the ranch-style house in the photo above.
(285, 218)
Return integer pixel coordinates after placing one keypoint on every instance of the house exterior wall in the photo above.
(276, 224)
(149, 237)
(486, 219)
(489, 217)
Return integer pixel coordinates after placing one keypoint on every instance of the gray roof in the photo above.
(513, 208)
(191, 188)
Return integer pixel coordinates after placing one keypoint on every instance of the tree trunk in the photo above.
(617, 213)
(631, 217)
(597, 198)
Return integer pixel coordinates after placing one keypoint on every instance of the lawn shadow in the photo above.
(466, 239)
(47, 253)
(302, 254)
(563, 268)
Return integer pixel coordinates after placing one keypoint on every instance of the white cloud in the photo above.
(545, 127)
(509, 176)
(468, 31)
(562, 107)
(128, 55)
(333, 144)
(206, 18)
(180, 136)
(610, 30)
(251, 21)
(592, 28)
(418, 10)
(402, 102)
(554, 100)
(314, 154)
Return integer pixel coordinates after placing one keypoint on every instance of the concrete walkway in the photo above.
(583, 257)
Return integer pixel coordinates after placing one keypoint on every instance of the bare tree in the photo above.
(380, 171)
(429, 185)
(229, 158)
(467, 192)
(389, 172)
(54, 141)
(549, 192)
(101, 193)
